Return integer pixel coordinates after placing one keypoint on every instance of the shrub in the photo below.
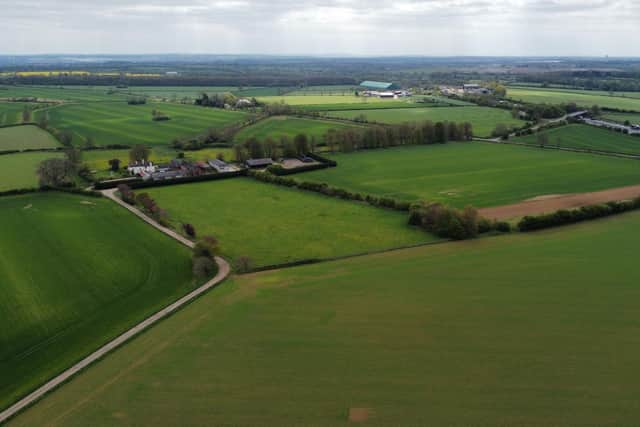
(203, 266)
(189, 230)
(206, 247)
(243, 264)
(447, 222)
(126, 194)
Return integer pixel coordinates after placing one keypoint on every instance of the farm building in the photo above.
(258, 163)
(221, 166)
(141, 168)
(378, 86)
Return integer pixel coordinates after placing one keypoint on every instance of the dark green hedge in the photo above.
(563, 216)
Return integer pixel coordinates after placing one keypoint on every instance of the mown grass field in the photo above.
(587, 138)
(120, 123)
(480, 174)
(63, 93)
(19, 170)
(272, 224)
(26, 137)
(521, 330)
(581, 98)
(622, 117)
(483, 119)
(11, 112)
(276, 127)
(75, 271)
(325, 99)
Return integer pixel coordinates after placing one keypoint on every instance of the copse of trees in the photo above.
(136, 100)
(55, 173)
(139, 153)
(444, 221)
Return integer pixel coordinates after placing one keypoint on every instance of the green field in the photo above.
(326, 99)
(481, 174)
(273, 224)
(75, 271)
(11, 112)
(582, 98)
(521, 330)
(120, 123)
(26, 137)
(587, 138)
(276, 127)
(19, 170)
(63, 93)
(483, 119)
(622, 117)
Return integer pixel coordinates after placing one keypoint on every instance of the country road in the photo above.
(223, 271)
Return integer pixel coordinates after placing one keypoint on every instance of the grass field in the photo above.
(622, 117)
(582, 98)
(483, 119)
(120, 123)
(11, 112)
(63, 93)
(75, 272)
(272, 224)
(276, 127)
(522, 330)
(481, 174)
(587, 137)
(326, 99)
(19, 170)
(26, 137)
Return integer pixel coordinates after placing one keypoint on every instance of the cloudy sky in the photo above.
(323, 27)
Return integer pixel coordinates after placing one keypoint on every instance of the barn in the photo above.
(378, 86)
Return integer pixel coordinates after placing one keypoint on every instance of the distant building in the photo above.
(378, 86)
(258, 163)
(475, 89)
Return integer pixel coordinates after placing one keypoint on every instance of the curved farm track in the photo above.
(552, 203)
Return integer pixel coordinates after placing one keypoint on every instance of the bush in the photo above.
(446, 222)
(206, 247)
(243, 264)
(189, 230)
(126, 194)
(203, 267)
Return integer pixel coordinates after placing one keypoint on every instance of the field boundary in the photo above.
(552, 147)
(223, 271)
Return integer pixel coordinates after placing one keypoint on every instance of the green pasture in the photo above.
(587, 138)
(64, 93)
(121, 123)
(11, 112)
(276, 127)
(175, 92)
(75, 272)
(26, 137)
(483, 119)
(476, 173)
(324, 99)
(522, 330)
(19, 170)
(633, 118)
(584, 99)
(272, 224)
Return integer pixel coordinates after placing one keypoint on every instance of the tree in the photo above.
(65, 137)
(114, 164)
(88, 142)
(595, 110)
(74, 156)
(500, 131)
(243, 264)
(301, 144)
(189, 230)
(207, 247)
(126, 194)
(220, 156)
(55, 172)
(139, 153)
(26, 115)
(203, 267)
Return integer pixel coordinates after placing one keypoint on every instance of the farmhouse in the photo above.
(259, 163)
(141, 168)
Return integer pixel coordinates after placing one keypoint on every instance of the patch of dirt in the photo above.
(29, 206)
(359, 415)
(553, 202)
(86, 202)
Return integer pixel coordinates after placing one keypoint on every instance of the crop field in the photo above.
(276, 127)
(120, 123)
(587, 138)
(622, 117)
(325, 99)
(272, 224)
(72, 278)
(483, 119)
(26, 137)
(515, 330)
(480, 174)
(63, 93)
(177, 92)
(19, 170)
(582, 98)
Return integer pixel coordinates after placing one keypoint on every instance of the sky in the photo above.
(323, 27)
